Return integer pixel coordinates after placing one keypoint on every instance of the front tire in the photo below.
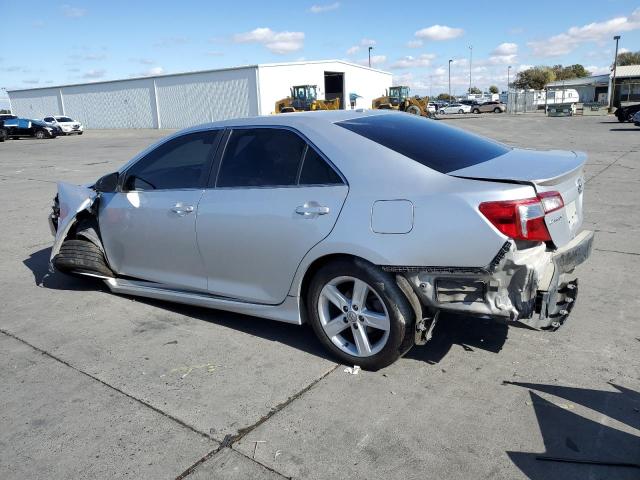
(40, 135)
(360, 314)
(81, 256)
(441, 112)
(497, 110)
(461, 111)
(476, 111)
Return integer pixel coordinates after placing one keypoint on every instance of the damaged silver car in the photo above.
(366, 225)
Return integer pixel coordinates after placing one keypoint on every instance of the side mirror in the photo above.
(108, 183)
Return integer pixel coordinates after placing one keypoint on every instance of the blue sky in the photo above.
(51, 43)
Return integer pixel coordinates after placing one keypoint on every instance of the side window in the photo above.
(177, 164)
(316, 171)
(48, 119)
(261, 157)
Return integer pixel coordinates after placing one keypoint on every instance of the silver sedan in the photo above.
(367, 225)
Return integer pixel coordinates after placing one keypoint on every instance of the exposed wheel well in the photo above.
(315, 266)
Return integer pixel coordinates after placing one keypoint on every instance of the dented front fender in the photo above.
(72, 199)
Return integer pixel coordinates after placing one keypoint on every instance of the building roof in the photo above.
(582, 82)
(626, 71)
(242, 67)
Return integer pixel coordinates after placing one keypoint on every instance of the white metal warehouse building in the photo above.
(186, 99)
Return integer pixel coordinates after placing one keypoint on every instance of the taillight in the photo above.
(523, 219)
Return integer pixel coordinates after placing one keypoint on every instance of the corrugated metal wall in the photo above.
(175, 101)
(126, 104)
(36, 103)
(206, 97)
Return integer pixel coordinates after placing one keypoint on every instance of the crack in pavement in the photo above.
(607, 167)
(229, 440)
(138, 400)
(616, 251)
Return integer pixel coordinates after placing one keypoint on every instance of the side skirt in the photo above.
(288, 311)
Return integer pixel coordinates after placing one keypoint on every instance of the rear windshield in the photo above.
(429, 142)
(64, 119)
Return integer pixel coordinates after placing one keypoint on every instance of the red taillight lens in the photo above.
(523, 219)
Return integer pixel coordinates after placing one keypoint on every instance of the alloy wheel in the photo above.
(353, 316)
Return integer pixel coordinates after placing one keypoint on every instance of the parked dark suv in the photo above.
(625, 114)
(24, 127)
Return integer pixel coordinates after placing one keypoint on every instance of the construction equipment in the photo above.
(397, 98)
(304, 98)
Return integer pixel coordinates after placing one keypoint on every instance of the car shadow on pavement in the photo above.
(295, 336)
(38, 263)
(634, 129)
(569, 435)
(468, 332)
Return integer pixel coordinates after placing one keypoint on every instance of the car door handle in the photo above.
(312, 209)
(182, 210)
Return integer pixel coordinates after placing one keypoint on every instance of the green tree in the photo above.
(535, 78)
(629, 58)
(444, 96)
(475, 90)
(493, 89)
(570, 71)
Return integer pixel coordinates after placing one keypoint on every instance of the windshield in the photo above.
(64, 119)
(429, 142)
(39, 122)
(304, 92)
(399, 92)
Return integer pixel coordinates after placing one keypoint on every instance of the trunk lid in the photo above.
(553, 170)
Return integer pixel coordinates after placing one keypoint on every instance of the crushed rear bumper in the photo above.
(533, 286)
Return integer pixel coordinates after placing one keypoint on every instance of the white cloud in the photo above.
(73, 12)
(353, 50)
(623, 50)
(439, 32)
(94, 74)
(505, 49)
(276, 42)
(595, 70)
(152, 71)
(143, 61)
(325, 7)
(375, 60)
(215, 53)
(414, 43)
(409, 61)
(598, 32)
(367, 42)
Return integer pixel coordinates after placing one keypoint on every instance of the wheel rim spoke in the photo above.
(335, 326)
(334, 296)
(362, 340)
(360, 290)
(376, 320)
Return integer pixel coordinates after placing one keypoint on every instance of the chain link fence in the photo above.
(524, 102)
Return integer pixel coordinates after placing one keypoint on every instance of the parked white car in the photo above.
(455, 108)
(66, 124)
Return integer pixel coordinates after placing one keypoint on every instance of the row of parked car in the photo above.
(52, 126)
(469, 106)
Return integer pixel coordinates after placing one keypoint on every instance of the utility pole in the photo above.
(613, 83)
(450, 80)
(508, 78)
(370, 48)
(470, 60)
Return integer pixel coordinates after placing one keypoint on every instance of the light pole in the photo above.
(508, 77)
(450, 80)
(613, 83)
(370, 48)
(470, 60)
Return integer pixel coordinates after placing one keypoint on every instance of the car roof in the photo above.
(294, 120)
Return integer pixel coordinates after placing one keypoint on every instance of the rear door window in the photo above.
(261, 157)
(316, 171)
(430, 142)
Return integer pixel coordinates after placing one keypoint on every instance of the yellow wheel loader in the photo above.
(397, 98)
(304, 98)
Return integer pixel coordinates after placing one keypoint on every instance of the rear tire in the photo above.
(81, 256)
(384, 303)
(441, 112)
(413, 110)
(476, 111)
(461, 111)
